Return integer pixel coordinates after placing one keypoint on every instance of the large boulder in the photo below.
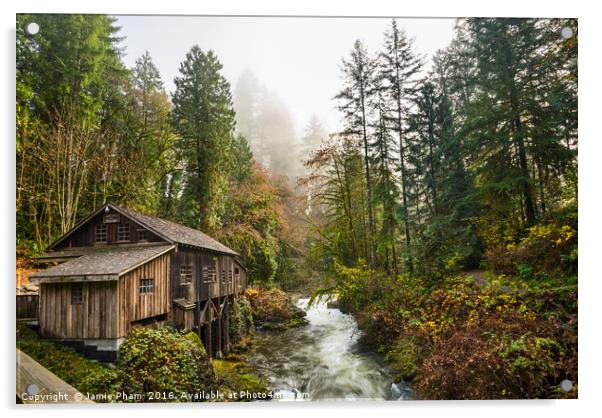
(273, 309)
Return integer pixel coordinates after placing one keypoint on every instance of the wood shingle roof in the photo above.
(175, 232)
(170, 231)
(105, 263)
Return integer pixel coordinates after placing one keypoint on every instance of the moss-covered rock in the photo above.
(234, 376)
(273, 310)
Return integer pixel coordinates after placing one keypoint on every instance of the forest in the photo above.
(443, 213)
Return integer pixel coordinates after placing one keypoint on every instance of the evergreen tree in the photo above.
(314, 135)
(145, 140)
(399, 66)
(445, 237)
(204, 118)
(384, 162)
(498, 43)
(66, 78)
(358, 72)
(247, 100)
(522, 146)
(277, 135)
(243, 161)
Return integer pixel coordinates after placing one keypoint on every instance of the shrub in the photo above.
(405, 357)
(478, 364)
(355, 285)
(462, 340)
(163, 360)
(547, 248)
(241, 319)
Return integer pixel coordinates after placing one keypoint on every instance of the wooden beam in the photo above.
(75, 279)
(36, 384)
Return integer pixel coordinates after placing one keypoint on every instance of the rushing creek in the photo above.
(322, 360)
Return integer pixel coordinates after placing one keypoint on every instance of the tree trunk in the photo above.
(368, 183)
(402, 167)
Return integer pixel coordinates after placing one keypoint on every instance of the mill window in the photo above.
(147, 286)
(185, 274)
(77, 294)
(142, 235)
(101, 233)
(123, 232)
(208, 274)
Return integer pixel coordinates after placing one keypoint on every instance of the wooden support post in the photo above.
(219, 332)
(208, 336)
(226, 327)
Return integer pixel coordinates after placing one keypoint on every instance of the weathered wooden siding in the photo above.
(86, 235)
(94, 318)
(240, 279)
(27, 306)
(183, 318)
(183, 256)
(226, 281)
(134, 306)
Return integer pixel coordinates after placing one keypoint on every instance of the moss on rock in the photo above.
(234, 376)
(273, 310)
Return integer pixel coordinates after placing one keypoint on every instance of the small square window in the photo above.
(142, 235)
(147, 286)
(77, 294)
(185, 274)
(101, 233)
(123, 232)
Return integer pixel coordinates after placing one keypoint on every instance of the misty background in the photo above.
(284, 71)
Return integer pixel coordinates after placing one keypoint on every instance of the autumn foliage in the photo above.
(463, 340)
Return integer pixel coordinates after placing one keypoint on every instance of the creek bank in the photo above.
(519, 344)
(323, 360)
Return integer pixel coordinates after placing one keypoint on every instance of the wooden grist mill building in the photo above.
(119, 269)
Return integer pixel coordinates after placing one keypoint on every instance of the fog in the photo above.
(284, 72)
(265, 121)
